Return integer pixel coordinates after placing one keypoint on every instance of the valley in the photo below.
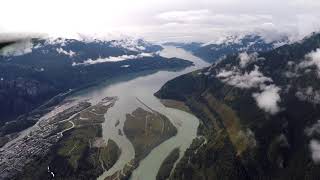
(234, 119)
(160, 90)
(29, 90)
(80, 134)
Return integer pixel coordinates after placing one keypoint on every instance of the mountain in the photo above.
(234, 44)
(36, 70)
(259, 115)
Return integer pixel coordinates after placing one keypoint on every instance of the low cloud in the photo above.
(200, 15)
(67, 53)
(17, 49)
(313, 130)
(132, 44)
(113, 59)
(309, 94)
(268, 99)
(315, 150)
(312, 59)
(246, 58)
(314, 144)
(195, 20)
(247, 80)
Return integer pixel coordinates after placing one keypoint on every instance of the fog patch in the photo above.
(267, 96)
(268, 99)
(56, 41)
(132, 44)
(315, 150)
(314, 144)
(113, 59)
(125, 66)
(17, 49)
(244, 81)
(246, 58)
(312, 59)
(250, 136)
(309, 94)
(67, 53)
(313, 130)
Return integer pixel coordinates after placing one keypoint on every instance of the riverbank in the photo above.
(142, 87)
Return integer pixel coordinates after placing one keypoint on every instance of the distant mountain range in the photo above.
(35, 70)
(231, 45)
(259, 113)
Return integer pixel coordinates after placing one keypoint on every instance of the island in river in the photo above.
(146, 129)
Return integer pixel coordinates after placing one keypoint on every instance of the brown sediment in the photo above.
(176, 105)
(146, 130)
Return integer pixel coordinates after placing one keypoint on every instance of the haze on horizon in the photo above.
(161, 20)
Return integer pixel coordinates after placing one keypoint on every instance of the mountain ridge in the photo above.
(255, 116)
(231, 45)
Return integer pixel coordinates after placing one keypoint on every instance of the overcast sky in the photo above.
(161, 20)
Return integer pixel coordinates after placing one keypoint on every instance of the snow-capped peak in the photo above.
(233, 39)
(132, 44)
(246, 38)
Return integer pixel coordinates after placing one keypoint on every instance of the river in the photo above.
(143, 86)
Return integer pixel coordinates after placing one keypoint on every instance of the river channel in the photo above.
(143, 86)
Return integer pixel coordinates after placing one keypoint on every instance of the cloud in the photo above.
(268, 99)
(185, 16)
(246, 58)
(309, 94)
(193, 20)
(132, 44)
(312, 59)
(17, 49)
(267, 96)
(67, 53)
(315, 150)
(314, 144)
(313, 130)
(249, 136)
(125, 66)
(247, 80)
(205, 16)
(226, 74)
(113, 59)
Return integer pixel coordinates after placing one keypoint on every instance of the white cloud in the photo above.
(17, 49)
(314, 144)
(185, 16)
(125, 66)
(202, 20)
(225, 74)
(268, 99)
(267, 96)
(312, 59)
(113, 59)
(67, 53)
(309, 94)
(247, 80)
(315, 150)
(314, 129)
(132, 44)
(246, 58)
